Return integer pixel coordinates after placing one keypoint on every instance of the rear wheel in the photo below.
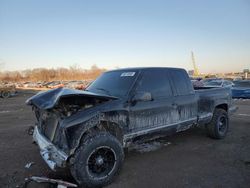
(5, 94)
(218, 127)
(98, 160)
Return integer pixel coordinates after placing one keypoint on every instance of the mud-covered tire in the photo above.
(218, 127)
(90, 160)
(5, 94)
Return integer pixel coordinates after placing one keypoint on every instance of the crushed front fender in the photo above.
(54, 157)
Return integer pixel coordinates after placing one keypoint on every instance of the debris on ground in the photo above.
(28, 165)
(8, 179)
(30, 130)
(59, 183)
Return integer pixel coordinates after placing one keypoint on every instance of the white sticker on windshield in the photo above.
(127, 74)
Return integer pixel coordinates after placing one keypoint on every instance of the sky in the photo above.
(131, 33)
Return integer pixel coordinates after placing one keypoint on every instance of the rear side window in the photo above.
(156, 82)
(181, 82)
(227, 83)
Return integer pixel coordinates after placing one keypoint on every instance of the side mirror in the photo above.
(142, 96)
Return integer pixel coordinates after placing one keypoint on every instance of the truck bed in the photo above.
(209, 98)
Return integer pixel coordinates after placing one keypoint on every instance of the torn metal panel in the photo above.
(52, 156)
(28, 165)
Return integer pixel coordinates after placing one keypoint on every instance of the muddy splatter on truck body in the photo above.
(127, 103)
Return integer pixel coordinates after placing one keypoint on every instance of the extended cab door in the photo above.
(156, 113)
(185, 99)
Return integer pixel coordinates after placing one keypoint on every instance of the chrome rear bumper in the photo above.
(51, 155)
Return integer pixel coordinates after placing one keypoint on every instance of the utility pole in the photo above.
(196, 71)
(246, 71)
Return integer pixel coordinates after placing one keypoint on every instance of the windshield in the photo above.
(213, 83)
(114, 83)
(242, 84)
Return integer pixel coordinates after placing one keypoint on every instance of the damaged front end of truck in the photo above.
(63, 116)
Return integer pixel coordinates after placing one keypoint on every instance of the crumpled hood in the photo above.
(48, 99)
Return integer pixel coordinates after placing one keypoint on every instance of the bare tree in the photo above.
(74, 72)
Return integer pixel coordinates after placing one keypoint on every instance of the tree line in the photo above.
(44, 74)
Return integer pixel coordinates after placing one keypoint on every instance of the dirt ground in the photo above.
(187, 159)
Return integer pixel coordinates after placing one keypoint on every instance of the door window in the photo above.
(155, 82)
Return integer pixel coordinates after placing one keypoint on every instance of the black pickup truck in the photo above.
(87, 131)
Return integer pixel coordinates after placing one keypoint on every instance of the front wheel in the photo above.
(218, 127)
(98, 160)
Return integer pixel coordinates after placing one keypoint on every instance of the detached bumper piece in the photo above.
(60, 183)
(51, 155)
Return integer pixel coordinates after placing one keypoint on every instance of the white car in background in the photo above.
(218, 83)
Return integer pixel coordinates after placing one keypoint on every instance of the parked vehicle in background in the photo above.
(55, 84)
(26, 84)
(46, 84)
(7, 91)
(241, 89)
(86, 131)
(19, 84)
(209, 80)
(218, 83)
(40, 84)
(237, 79)
(31, 85)
(229, 79)
(74, 84)
(197, 82)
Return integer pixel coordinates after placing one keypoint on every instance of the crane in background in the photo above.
(196, 71)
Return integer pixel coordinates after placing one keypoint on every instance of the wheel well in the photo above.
(113, 129)
(223, 106)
